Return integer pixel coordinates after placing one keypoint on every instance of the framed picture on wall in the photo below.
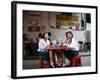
(29, 60)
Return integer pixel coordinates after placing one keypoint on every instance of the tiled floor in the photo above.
(33, 64)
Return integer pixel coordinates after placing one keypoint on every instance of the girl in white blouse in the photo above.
(73, 44)
(42, 45)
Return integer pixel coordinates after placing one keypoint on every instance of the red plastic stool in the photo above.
(42, 64)
(75, 61)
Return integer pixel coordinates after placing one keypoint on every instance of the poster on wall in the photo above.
(31, 20)
(66, 21)
(51, 55)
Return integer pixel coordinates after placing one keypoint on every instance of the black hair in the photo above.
(69, 32)
(40, 35)
(70, 41)
(44, 34)
(49, 33)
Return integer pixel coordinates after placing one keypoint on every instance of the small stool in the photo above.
(75, 61)
(42, 64)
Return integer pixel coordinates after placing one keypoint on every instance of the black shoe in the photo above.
(52, 66)
(58, 66)
(66, 66)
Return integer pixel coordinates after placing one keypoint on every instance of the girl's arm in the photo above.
(74, 45)
(41, 45)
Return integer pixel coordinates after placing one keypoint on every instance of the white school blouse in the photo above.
(43, 44)
(74, 44)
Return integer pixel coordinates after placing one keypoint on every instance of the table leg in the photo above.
(63, 59)
(51, 58)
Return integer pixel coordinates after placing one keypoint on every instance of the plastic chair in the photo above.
(76, 61)
(42, 63)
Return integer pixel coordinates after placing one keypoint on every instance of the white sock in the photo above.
(64, 64)
(52, 64)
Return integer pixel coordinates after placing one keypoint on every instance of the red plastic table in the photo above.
(58, 49)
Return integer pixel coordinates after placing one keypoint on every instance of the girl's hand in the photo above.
(67, 49)
(62, 44)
